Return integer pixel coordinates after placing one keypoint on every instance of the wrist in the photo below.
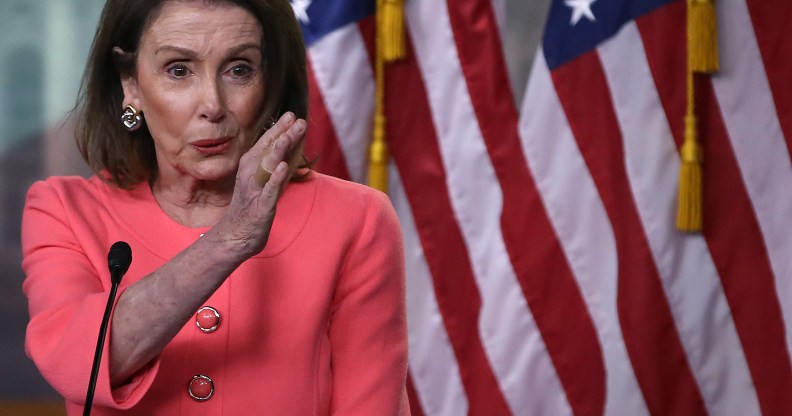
(227, 246)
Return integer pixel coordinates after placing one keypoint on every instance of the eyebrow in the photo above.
(194, 55)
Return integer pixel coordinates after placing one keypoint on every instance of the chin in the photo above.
(215, 170)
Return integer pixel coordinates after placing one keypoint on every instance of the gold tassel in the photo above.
(689, 204)
(390, 26)
(702, 46)
(390, 47)
(378, 156)
(702, 36)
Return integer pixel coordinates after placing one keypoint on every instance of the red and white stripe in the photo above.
(435, 372)
(342, 79)
(545, 276)
(687, 272)
(582, 227)
(752, 123)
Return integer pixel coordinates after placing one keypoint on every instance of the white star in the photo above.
(580, 8)
(300, 8)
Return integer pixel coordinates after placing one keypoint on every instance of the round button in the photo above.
(207, 319)
(201, 388)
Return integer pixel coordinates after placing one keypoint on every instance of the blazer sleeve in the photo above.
(66, 300)
(368, 327)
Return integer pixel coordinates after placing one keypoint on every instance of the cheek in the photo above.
(165, 124)
(167, 120)
(166, 111)
(247, 104)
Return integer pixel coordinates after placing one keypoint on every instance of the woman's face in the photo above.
(200, 86)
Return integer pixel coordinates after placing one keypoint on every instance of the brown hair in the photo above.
(128, 157)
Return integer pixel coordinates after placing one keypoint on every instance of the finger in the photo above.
(297, 137)
(254, 156)
(272, 157)
(286, 147)
(269, 136)
(274, 186)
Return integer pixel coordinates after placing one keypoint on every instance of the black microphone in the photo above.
(118, 260)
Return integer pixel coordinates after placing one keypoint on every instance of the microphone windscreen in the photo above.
(119, 258)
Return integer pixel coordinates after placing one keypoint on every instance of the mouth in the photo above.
(211, 147)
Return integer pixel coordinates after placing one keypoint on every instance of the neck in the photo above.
(192, 202)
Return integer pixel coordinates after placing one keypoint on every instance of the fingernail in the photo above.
(300, 126)
(289, 116)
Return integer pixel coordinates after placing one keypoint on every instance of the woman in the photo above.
(299, 313)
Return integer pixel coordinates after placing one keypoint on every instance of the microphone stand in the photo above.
(117, 270)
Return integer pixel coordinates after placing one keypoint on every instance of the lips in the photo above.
(212, 146)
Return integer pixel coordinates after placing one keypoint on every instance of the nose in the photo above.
(212, 101)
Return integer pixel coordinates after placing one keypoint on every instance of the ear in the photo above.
(128, 80)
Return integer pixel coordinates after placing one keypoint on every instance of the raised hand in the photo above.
(248, 220)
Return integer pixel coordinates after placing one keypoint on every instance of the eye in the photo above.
(178, 71)
(241, 71)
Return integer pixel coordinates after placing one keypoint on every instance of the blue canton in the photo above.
(565, 41)
(325, 16)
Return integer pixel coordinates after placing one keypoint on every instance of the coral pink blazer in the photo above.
(313, 325)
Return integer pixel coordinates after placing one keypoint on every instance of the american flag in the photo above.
(545, 273)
